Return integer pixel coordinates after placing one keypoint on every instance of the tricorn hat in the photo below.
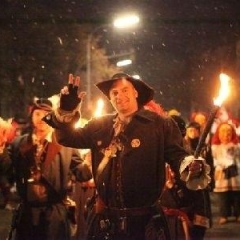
(41, 103)
(145, 92)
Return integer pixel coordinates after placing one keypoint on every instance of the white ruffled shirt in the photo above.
(195, 183)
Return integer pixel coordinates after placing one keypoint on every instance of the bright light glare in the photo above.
(127, 21)
(55, 101)
(124, 63)
(99, 109)
(136, 76)
(80, 123)
(224, 90)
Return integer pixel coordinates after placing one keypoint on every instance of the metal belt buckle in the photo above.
(123, 224)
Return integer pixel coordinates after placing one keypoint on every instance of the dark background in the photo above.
(180, 48)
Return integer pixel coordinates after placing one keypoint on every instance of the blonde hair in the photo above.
(5, 128)
(5, 124)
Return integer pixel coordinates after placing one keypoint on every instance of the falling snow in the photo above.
(177, 46)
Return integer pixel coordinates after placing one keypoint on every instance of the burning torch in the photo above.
(223, 94)
(201, 182)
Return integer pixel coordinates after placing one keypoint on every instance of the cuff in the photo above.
(65, 116)
(202, 221)
(195, 183)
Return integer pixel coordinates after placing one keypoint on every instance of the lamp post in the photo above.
(123, 22)
(88, 58)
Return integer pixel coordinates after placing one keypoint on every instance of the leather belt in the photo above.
(36, 204)
(128, 212)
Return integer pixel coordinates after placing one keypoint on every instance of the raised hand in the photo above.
(69, 97)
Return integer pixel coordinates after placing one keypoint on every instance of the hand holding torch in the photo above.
(201, 181)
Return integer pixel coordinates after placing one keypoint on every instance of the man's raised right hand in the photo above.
(70, 97)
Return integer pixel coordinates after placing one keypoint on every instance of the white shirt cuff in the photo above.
(65, 116)
(195, 183)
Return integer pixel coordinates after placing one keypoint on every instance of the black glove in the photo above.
(68, 102)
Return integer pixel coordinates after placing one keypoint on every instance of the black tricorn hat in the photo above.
(145, 92)
(43, 104)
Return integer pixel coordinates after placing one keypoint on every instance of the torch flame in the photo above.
(224, 90)
(99, 110)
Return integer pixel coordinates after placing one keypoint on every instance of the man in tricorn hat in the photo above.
(41, 168)
(129, 152)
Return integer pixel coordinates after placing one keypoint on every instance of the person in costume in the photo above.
(41, 169)
(129, 151)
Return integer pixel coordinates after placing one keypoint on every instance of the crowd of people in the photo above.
(131, 174)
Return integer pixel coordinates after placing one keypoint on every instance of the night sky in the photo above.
(180, 46)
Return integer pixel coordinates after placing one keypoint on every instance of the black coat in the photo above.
(149, 141)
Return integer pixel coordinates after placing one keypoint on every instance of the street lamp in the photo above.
(126, 21)
(123, 22)
(124, 62)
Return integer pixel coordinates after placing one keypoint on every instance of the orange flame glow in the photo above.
(99, 110)
(224, 90)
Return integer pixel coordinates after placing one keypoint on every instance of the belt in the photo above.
(87, 187)
(128, 212)
(36, 204)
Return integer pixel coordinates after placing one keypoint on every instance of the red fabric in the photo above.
(155, 107)
(178, 213)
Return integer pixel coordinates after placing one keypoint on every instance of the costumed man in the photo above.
(129, 151)
(41, 169)
(188, 211)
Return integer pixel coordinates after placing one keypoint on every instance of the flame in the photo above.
(224, 90)
(99, 110)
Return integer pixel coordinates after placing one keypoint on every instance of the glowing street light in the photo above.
(124, 62)
(123, 22)
(126, 21)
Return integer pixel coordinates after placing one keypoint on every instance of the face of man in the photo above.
(192, 132)
(38, 123)
(123, 97)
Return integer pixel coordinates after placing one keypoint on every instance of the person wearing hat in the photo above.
(41, 170)
(129, 150)
(193, 130)
(188, 212)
